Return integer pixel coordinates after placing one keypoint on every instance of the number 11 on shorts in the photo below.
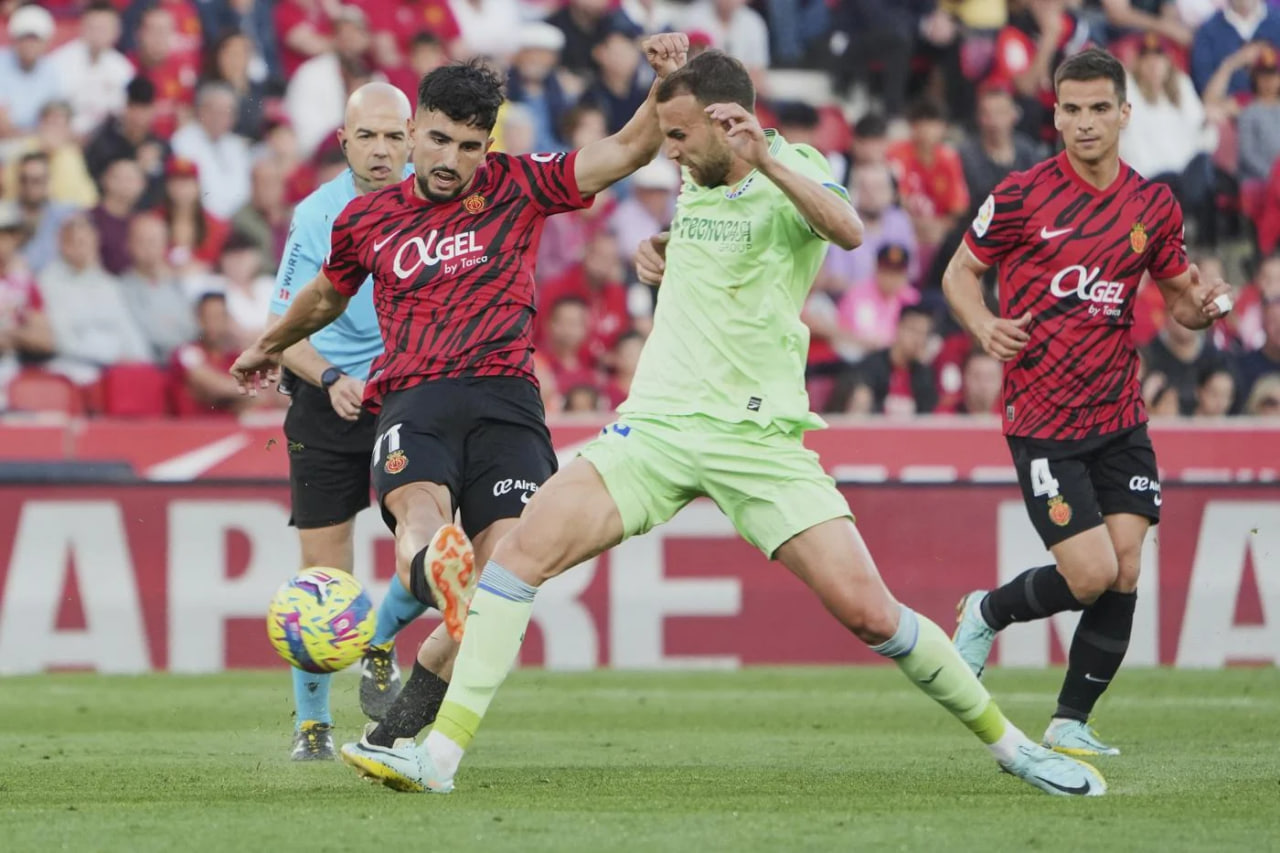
(396, 459)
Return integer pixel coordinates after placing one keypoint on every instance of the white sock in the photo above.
(445, 754)
(1005, 749)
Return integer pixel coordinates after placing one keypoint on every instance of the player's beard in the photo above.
(424, 186)
(715, 169)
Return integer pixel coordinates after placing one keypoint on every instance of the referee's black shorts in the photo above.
(328, 459)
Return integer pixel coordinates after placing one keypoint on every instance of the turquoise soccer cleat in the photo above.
(1055, 773)
(1074, 737)
(973, 636)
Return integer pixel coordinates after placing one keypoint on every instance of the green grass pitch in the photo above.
(763, 759)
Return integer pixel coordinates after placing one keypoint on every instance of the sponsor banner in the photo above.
(937, 449)
(177, 577)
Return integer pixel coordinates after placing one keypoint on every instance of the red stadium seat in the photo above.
(135, 390)
(41, 391)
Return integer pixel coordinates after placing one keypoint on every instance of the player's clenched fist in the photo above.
(1003, 338)
(651, 258)
(1212, 298)
(255, 368)
(666, 52)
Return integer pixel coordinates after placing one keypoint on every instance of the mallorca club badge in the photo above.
(474, 203)
(396, 462)
(1138, 237)
(1059, 509)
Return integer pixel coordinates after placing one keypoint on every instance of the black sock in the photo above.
(1097, 649)
(414, 709)
(418, 587)
(1034, 594)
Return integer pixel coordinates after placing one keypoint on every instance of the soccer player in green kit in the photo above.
(717, 409)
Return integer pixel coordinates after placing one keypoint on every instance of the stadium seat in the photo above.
(135, 390)
(40, 391)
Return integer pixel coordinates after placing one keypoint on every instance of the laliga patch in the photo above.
(986, 213)
(1059, 511)
(396, 462)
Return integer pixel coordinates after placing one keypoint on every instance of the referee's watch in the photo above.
(330, 376)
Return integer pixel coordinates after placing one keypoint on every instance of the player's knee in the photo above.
(874, 625)
(1129, 566)
(1091, 580)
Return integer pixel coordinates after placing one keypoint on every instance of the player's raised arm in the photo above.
(604, 163)
(314, 307)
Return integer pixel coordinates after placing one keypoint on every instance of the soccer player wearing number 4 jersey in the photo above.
(717, 409)
(1072, 238)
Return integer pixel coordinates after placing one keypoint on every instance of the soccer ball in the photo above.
(321, 620)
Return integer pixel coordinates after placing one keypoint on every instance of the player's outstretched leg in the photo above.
(833, 561)
(380, 676)
(434, 558)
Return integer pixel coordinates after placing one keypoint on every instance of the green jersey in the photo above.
(727, 339)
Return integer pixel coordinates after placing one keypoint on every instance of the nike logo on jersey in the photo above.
(378, 244)
(1046, 234)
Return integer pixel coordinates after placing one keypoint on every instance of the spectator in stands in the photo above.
(129, 136)
(1260, 119)
(535, 81)
(516, 130)
(485, 27)
(612, 307)
(1251, 303)
(565, 237)
(583, 398)
(28, 77)
(265, 219)
(173, 72)
(981, 382)
(122, 188)
(67, 180)
(426, 54)
(735, 28)
(583, 23)
(316, 97)
(1158, 17)
(870, 308)
(188, 39)
(1166, 138)
(398, 26)
(304, 30)
(622, 79)
(229, 63)
(568, 331)
(1264, 400)
(42, 217)
(221, 155)
(253, 18)
(153, 291)
(247, 290)
(623, 361)
(897, 379)
(1265, 361)
(1237, 24)
(1039, 35)
(1160, 396)
(1215, 392)
(877, 39)
(203, 384)
(870, 141)
(24, 326)
(884, 223)
(930, 176)
(93, 73)
(91, 322)
(998, 148)
(195, 234)
(1181, 356)
(649, 208)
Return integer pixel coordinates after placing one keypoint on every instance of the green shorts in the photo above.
(764, 479)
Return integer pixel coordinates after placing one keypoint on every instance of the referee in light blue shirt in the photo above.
(330, 435)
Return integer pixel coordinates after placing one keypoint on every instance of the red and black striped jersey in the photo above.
(1073, 255)
(453, 281)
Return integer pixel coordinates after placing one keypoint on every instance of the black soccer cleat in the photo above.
(379, 681)
(313, 742)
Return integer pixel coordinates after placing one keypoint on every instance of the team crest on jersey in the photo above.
(1059, 511)
(474, 203)
(1138, 237)
(396, 462)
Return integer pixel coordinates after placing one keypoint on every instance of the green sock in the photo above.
(925, 655)
(496, 623)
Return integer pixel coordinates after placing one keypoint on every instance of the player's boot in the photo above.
(1055, 774)
(313, 742)
(379, 680)
(399, 767)
(973, 636)
(1073, 737)
(450, 566)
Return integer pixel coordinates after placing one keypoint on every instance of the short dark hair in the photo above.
(712, 77)
(871, 126)
(925, 109)
(101, 6)
(468, 92)
(1092, 64)
(915, 311)
(33, 157)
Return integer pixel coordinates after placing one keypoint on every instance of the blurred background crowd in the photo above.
(151, 152)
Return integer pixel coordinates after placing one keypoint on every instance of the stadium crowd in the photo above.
(151, 152)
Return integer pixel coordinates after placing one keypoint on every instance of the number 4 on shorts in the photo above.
(1043, 485)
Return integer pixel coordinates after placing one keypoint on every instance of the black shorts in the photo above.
(1069, 486)
(328, 459)
(484, 438)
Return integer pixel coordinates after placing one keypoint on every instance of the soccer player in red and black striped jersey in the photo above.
(1072, 238)
(451, 251)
